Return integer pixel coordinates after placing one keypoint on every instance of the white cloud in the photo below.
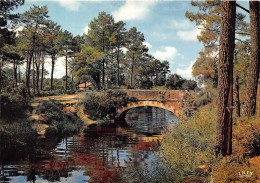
(148, 45)
(190, 35)
(133, 10)
(86, 29)
(71, 5)
(187, 72)
(182, 24)
(59, 69)
(169, 53)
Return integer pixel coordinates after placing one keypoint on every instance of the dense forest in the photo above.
(109, 56)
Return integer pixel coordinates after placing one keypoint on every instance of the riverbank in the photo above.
(189, 150)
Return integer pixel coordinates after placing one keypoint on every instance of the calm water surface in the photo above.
(103, 154)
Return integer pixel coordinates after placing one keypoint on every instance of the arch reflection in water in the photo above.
(150, 120)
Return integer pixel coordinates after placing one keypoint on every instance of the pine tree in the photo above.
(33, 22)
(225, 78)
(66, 49)
(54, 45)
(136, 49)
(100, 30)
(253, 72)
(6, 34)
(207, 19)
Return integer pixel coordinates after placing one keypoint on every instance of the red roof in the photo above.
(83, 85)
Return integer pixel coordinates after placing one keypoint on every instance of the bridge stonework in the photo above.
(166, 99)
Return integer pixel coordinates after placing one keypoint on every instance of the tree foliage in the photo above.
(176, 82)
(207, 19)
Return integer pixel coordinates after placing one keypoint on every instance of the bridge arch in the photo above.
(172, 106)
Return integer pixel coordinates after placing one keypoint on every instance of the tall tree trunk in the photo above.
(37, 78)
(225, 77)
(258, 102)
(1, 76)
(253, 72)
(66, 80)
(72, 79)
(103, 63)
(52, 70)
(33, 77)
(132, 71)
(28, 75)
(42, 76)
(118, 67)
(98, 80)
(14, 74)
(156, 78)
(237, 98)
(19, 74)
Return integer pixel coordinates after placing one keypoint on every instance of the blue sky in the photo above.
(168, 33)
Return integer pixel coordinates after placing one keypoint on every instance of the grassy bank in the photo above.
(18, 132)
(188, 149)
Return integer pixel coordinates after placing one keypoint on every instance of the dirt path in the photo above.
(64, 99)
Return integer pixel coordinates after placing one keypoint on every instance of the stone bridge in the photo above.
(166, 99)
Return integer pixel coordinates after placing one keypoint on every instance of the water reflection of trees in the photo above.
(105, 154)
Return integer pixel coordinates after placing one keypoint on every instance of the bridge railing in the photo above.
(167, 95)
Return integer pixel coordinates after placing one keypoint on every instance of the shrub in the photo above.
(174, 82)
(13, 106)
(51, 131)
(61, 123)
(231, 170)
(189, 144)
(189, 85)
(51, 110)
(64, 127)
(246, 135)
(146, 83)
(20, 90)
(17, 134)
(194, 101)
(103, 104)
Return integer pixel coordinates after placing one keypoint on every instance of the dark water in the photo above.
(103, 154)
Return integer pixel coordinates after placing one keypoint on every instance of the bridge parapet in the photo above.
(159, 95)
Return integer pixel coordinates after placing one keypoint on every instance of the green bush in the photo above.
(194, 101)
(65, 127)
(146, 84)
(51, 131)
(13, 105)
(18, 134)
(104, 104)
(51, 110)
(176, 82)
(61, 123)
(68, 127)
(189, 144)
(20, 90)
(237, 171)
(246, 137)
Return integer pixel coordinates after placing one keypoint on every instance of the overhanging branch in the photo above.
(242, 8)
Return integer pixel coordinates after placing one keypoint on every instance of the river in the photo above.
(115, 153)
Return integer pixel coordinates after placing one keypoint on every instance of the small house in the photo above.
(85, 86)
